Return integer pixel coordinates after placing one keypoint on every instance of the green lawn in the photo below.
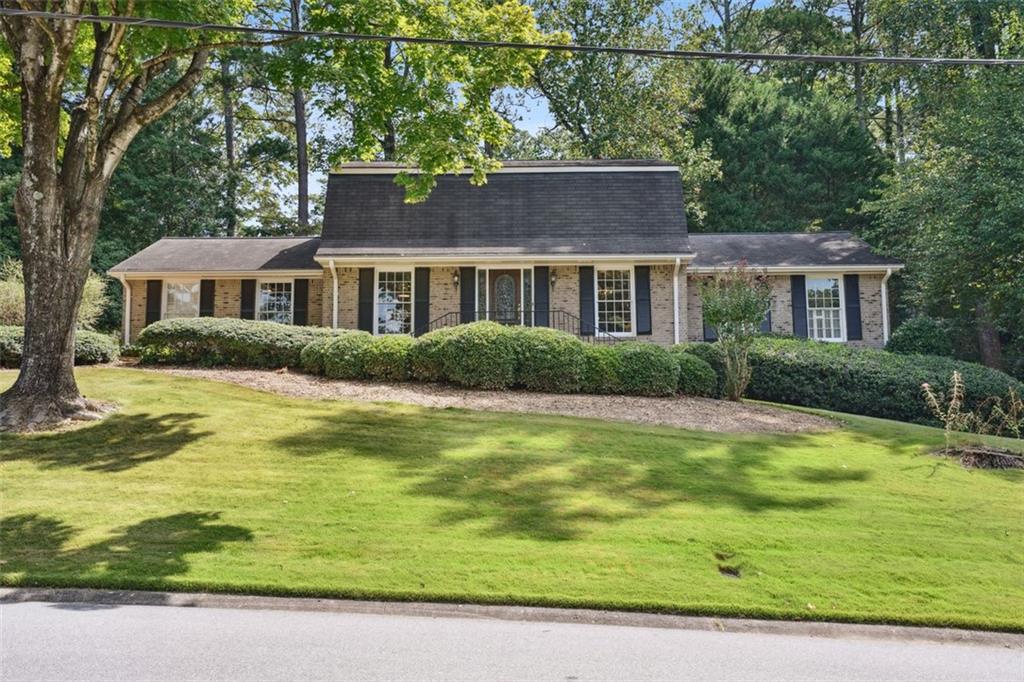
(199, 485)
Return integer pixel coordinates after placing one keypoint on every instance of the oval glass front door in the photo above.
(505, 300)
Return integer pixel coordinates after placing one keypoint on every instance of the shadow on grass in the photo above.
(148, 551)
(118, 443)
(539, 478)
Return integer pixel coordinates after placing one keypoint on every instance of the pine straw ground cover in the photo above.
(198, 485)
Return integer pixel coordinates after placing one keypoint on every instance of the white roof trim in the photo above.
(797, 269)
(212, 274)
(514, 169)
(512, 258)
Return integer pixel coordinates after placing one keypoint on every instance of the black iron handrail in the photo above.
(556, 319)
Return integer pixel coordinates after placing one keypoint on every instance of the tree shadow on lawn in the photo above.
(536, 478)
(118, 443)
(144, 553)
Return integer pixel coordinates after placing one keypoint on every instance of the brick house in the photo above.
(597, 248)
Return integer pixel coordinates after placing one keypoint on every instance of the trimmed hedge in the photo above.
(386, 358)
(548, 360)
(90, 347)
(646, 369)
(711, 354)
(343, 355)
(426, 358)
(696, 377)
(863, 381)
(210, 341)
(480, 355)
(602, 370)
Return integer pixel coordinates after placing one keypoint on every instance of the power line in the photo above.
(145, 22)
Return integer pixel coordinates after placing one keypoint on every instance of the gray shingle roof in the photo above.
(522, 210)
(223, 254)
(779, 250)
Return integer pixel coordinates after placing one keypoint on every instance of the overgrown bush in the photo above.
(924, 335)
(90, 347)
(548, 360)
(862, 380)
(646, 369)
(602, 369)
(712, 354)
(696, 377)
(480, 355)
(386, 358)
(342, 356)
(209, 342)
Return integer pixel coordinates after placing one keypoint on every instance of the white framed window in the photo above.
(274, 301)
(181, 299)
(394, 302)
(825, 319)
(613, 296)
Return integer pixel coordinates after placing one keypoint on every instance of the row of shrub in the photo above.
(479, 355)
(487, 355)
(90, 347)
(863, 381)
(210, 342)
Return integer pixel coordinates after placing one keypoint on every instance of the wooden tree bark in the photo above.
(231, 181)
(60, 196)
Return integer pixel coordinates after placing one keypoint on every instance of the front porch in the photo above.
(601, 300)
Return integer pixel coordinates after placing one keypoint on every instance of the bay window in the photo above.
(181, 299)
(615, 300)
(394, 302)
(825, 309)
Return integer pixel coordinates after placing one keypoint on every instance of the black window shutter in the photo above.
(541, 296)
(154, 294)
(467, 295)
(300, 302)
(248, 307)
(798, 287)
(421, 300)
(366, 296)
(207, 289)
(587, 322)
(766, 323)
(643, 299)
(851, 292)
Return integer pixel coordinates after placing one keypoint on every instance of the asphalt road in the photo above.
(42, 641)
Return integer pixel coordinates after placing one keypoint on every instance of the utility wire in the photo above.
(145, 22)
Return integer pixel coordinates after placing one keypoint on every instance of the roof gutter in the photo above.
(885, 306)
(797, 269)
(334, 295)
(675, 300)
(342, 260)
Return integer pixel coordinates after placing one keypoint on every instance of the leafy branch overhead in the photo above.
(426, 105)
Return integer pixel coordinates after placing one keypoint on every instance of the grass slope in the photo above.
(199, 485)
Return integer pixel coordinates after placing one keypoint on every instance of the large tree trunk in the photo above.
(45, 391)
(231, 186)
(302, 158)
(989, 345)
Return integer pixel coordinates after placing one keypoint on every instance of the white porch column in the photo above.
(126, 321)
(885, 306)
(675, 301)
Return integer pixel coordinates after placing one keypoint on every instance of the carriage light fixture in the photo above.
(455, 279)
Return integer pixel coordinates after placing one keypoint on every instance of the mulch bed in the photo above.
(682, 412)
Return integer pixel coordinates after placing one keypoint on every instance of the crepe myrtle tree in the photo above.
(734, 303)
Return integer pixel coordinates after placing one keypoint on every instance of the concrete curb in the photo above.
(512, 613)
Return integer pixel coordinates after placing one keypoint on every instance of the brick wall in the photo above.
(782, 309)
(444, 298)
(315, 303)
(138, 311)
(227, 298)
(565, 295)
(662, 296)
